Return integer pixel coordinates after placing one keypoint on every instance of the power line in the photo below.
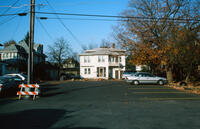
(10, 7)
(127, 17)
(107, 16)
(7, 20)
(88, 19)
(23, 5)
(80, 19)
(76, 39)
(11, 18)
(45, 29)
(17, 27)
(20, 14)
(19, 21)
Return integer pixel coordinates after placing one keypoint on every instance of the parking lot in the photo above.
(102, 105)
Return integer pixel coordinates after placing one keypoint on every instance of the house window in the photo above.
(104, 71)
(86, 59)
(116, 59)
(97, 71)
(14, 55)
(8, 55)
(111, 58)
(85, 70)
(120, 59)
(101, 59)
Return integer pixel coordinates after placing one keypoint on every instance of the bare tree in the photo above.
(58, 52)
(105, 44)
(89, 46)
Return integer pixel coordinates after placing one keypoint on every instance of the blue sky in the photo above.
(88, 32)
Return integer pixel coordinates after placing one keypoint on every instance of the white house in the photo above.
(102, 63)
(19, 53)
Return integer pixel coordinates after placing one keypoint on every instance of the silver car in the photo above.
(127, 73)
(145, 78)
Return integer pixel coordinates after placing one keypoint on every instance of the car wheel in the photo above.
(160, 82)
(136, 82)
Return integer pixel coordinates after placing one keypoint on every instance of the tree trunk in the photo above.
(169, 75)
(187, 79)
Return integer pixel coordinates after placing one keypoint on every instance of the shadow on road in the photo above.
(31, 119)
(79, 128)
(36, 119)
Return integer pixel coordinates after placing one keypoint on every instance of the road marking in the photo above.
(158, 92)
(151, 88)
(170, 99)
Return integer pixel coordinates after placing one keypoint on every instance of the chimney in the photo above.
(113, 45)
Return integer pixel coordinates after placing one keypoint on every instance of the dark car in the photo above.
(76, 77)
(70, 76)
(9, 84)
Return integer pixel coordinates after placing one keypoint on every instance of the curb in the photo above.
(187, 89)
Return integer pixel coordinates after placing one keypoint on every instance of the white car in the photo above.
(145, 78)
(23, 77)
(127, 73)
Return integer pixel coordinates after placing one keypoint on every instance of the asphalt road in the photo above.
(102, 105)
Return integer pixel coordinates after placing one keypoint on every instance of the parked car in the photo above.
(76, 77)
(9, 84)
(145, 78)
(23, 77)
(127, 73)
(70, 76)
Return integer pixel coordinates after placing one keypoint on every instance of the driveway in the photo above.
(102, 105)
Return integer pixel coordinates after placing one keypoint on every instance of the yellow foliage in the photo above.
(176, 51)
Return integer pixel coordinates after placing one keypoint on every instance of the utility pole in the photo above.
(31, 42)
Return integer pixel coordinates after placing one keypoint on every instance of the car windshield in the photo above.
(24, 75)
(17, 75)
(133, 74)
(128, 72)
(144, 75)
(3, 80)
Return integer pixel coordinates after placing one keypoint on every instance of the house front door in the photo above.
(116, 74)
(101, 71)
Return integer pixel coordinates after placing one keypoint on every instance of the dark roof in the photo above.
(13, 48)
(71, 60)
(22, 47)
